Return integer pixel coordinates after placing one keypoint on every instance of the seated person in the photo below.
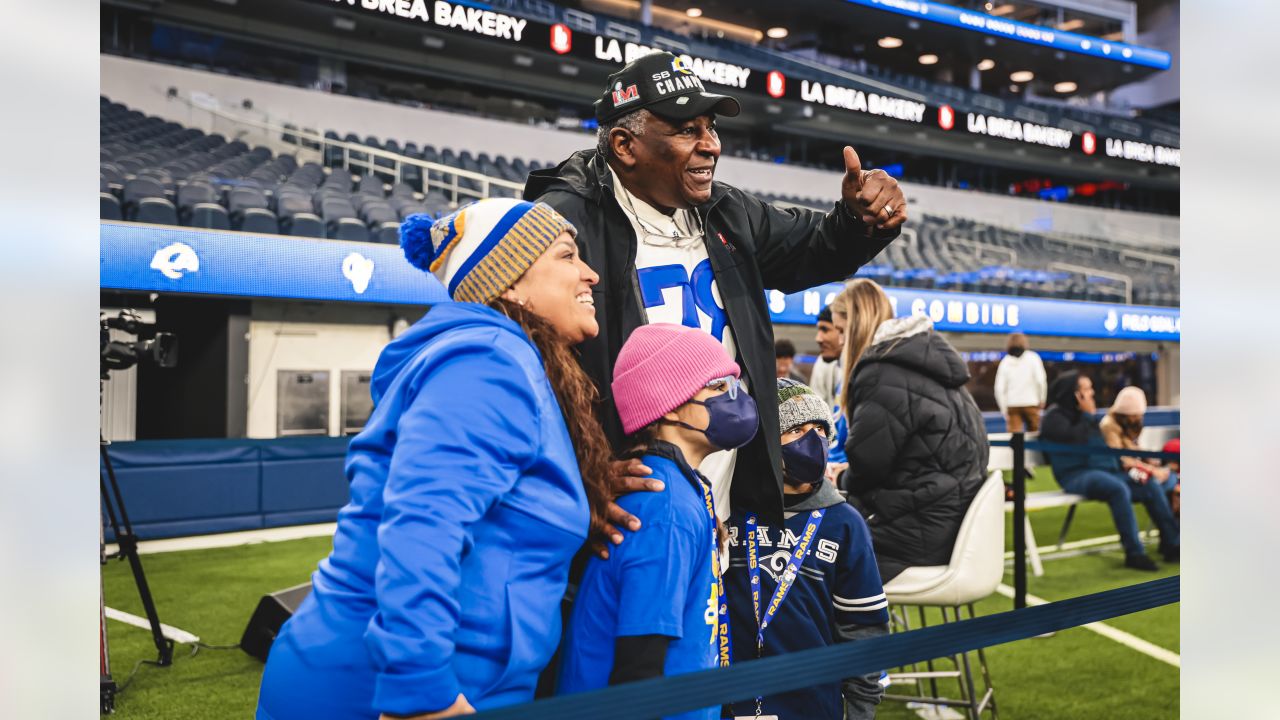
(829, 586)
(1121, 427)
(1069, 420)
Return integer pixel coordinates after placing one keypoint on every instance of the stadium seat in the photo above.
(371, 185)
(209, 215)
(348, 228)
(109, 207)
(243, 198)
(387, 233)
(136, 189)
(112, 173)
(303, 224)
(408, 209)
(256, 220)
(377, 212)
(156, 211)
(196, 192)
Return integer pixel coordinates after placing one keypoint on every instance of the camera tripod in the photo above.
(127, 542)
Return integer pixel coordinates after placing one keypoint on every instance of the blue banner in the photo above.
(967, 312)
(188, 260)
(156, 258)
(1024, 32)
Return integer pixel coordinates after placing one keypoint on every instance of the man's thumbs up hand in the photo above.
(872, 195)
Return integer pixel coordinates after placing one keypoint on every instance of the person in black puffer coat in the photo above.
(917, 444)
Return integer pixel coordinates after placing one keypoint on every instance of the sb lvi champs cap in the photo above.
(666, 86)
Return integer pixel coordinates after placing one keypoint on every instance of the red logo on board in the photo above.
(561, 38)
(1089, 143)
(776, 84)
(946, 117)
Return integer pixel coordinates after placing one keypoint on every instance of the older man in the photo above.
(672, 245)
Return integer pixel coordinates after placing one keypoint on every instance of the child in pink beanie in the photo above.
(656, 606)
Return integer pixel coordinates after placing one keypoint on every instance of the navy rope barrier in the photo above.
(657, 697)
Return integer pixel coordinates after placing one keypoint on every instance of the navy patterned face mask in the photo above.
(805, 459)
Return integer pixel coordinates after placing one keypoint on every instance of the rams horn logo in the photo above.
(680, 66)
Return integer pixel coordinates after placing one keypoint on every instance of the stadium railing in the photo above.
(316, 146)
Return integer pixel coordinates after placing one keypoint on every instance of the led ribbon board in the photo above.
(968, 312)
(1023, 32)
(477, 19)
(155, 258)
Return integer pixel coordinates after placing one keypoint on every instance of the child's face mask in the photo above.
(732, 418)
(805, 459)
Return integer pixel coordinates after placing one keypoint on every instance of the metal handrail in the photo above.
(296, 139)
(1122, 250)
(980, 248)
(1086, 271)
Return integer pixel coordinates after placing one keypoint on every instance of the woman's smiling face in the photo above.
(557, 288)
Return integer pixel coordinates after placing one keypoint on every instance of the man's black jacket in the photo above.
(752, 246)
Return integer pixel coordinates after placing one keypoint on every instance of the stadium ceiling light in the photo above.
(986, 64)
(693, 12)
(889, 42)
(1072, 24)
(1066, 86)
(929, 59)
(1022, 76)
(777, 33)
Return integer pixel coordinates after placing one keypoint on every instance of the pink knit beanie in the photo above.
(1130, 401)
(662, 366)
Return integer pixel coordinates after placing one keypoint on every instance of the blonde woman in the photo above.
(917, 446)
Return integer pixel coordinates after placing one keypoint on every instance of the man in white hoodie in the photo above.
(1021, 386)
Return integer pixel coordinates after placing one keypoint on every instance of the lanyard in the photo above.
(784, 584)
(720, 636)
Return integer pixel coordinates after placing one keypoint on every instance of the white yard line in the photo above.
(223, 540)
(1130, 641)
(173, 633)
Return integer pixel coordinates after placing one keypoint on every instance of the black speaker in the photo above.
(267, 618)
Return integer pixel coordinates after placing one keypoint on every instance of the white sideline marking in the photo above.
(233, 539)
(175, 634)
(1131, 641)
(934, 712)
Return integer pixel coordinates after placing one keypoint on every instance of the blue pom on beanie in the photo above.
(415, 240)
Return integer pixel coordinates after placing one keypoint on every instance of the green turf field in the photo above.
(1074, 674)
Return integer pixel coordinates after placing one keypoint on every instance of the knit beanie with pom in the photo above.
(481, 249)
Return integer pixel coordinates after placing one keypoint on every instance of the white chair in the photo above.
(975, 569)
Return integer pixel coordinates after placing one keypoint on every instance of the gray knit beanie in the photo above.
(798, 404)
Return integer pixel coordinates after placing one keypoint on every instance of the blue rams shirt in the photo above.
(838, 583)
(659, 581)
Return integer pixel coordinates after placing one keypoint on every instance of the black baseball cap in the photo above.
(666, 86)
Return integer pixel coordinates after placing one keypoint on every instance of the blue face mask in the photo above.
(805, 459)
(732, 418)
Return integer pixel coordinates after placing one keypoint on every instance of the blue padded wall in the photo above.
(173, 488)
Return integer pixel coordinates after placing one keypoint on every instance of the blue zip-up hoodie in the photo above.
(450, 560)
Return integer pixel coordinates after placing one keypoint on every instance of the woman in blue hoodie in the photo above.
(479, 475)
